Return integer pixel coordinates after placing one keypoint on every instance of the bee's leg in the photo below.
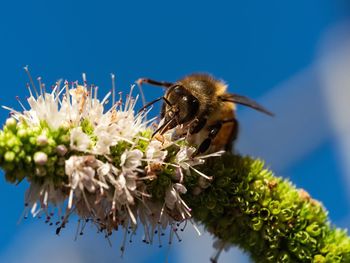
(153, 82)
(213, 131)
(197, 125)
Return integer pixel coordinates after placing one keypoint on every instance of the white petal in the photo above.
(79, 140)
(103, 169)
(180, 188)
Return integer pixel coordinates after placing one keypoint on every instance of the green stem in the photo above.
(247, 206)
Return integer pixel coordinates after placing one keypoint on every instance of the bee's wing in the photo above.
(235, 98)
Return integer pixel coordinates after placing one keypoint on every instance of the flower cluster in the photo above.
(102, 165)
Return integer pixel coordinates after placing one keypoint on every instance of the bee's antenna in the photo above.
(154, 82)
(154, 101)
(149, 104)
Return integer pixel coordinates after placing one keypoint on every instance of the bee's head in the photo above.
(180, 106)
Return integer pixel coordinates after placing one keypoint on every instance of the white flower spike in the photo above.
(100, 164)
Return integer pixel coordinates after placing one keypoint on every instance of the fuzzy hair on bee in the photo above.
(200, 108)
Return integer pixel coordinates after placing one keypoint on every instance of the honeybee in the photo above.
(200, 107)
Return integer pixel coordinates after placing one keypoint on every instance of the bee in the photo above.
(200, 107)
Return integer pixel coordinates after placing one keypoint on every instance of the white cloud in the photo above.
(334, 71)
(300, 124)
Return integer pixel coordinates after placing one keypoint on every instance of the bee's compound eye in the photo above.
(178, 89)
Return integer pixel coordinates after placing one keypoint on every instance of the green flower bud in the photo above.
(9, 156)
(16, 149)
(22, 154)
(257, 223)
(302, 236)
(22, 134)
(42, 140)
(35, 130)
(32, 140)
(284, 258)
(264, 213)
(271, 256)
(12, 142)
(314, 229)
(319, 259)
(40, 158)
(28, 159)
(304, 255)
(244, 186)
(61, 150)
(51, 142)
(265, 201)
(334, 258)
(253, 196)
(11, 124)
(286, 214)
(274, 207)
(64, 139)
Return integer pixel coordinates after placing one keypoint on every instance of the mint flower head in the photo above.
(99, 162)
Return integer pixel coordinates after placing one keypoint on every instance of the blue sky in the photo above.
(268, 50)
